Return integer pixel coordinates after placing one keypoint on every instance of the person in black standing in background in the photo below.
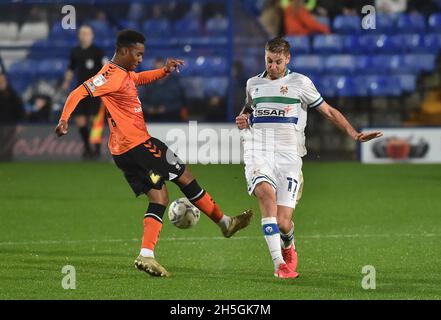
(86, 60)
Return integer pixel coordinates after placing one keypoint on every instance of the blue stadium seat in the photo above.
(385, 64)
(432, 42)
(390, 44)
(346, 24)
(58, 33)
(327, 43)
(323, 20)
(383, 86)
(189, 68)
(101, 29)
(157, 28)
(215, 86)
(187, 27)
(217, 26)
(254, 7)
(414, 43)
(209, 66)
(385, 23)
(340, 64)
(19, 81)
(345, 87)
(413, 22)
(364, 64)
(352, 44)
(253, 65)
(199, 41)
(326, 85)
(407, 82)
(307, 64)
(105, 41)
(217, 66)
(50, 48)
(435, 22)
(129, 24)
(381, 43)
(147, 64)
(299, 44)
(368, 43)
(419, 62)
(193, 87)
(51, 68)
(24, 67)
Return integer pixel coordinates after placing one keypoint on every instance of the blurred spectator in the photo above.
(37, 14)
(217, 24)
(425, 7)
(2, 66)
(164, 99)
(211, 9)
(195, 12)
(177, 10)
(239, 83)
(39, 98)
(271, 18)
(156, 12)
(353, 7)
(11, 107)
(216, 109)
(332, 8)
(86, 60)
(393, 7)
(299, 21)
(137, 11)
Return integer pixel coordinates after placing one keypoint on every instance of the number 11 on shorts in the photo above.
(290, 185)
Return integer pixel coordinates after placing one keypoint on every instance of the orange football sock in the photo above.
(209, 207)
(152, 229)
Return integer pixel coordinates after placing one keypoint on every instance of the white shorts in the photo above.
(282, 170)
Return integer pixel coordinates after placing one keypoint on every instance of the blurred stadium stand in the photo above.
(368, 72)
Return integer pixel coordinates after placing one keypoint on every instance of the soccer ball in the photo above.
(183, 214)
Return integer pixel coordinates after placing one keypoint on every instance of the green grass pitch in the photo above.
(351, 215)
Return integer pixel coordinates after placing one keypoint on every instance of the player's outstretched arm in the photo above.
(343, 124)
(71, 103)
(146, 77)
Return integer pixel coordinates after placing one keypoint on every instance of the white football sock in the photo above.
(272, 236)
(147, 253)
(224, 222)
(287, 239)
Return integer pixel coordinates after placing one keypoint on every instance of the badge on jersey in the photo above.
(284, 90)
(99, 80)
(154, 178)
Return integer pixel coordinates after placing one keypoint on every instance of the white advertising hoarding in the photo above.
(408, 145)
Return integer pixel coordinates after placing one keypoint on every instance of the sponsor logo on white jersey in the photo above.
(270, 113)
(99, 80)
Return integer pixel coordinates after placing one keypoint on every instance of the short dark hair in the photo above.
(278, 45)
(127, 38)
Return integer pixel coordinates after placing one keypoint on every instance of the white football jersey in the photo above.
(280, 107)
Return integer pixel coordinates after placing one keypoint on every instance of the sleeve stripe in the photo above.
(316, 103)
(90, 93)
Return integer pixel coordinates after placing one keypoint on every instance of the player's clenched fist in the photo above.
(173, 64)
(61, 128)
(242, 121)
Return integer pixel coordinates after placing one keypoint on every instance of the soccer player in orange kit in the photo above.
(145, 161)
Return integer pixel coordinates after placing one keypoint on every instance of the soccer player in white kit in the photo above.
(272, 127)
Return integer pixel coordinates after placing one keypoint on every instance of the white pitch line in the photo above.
(316, 236)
